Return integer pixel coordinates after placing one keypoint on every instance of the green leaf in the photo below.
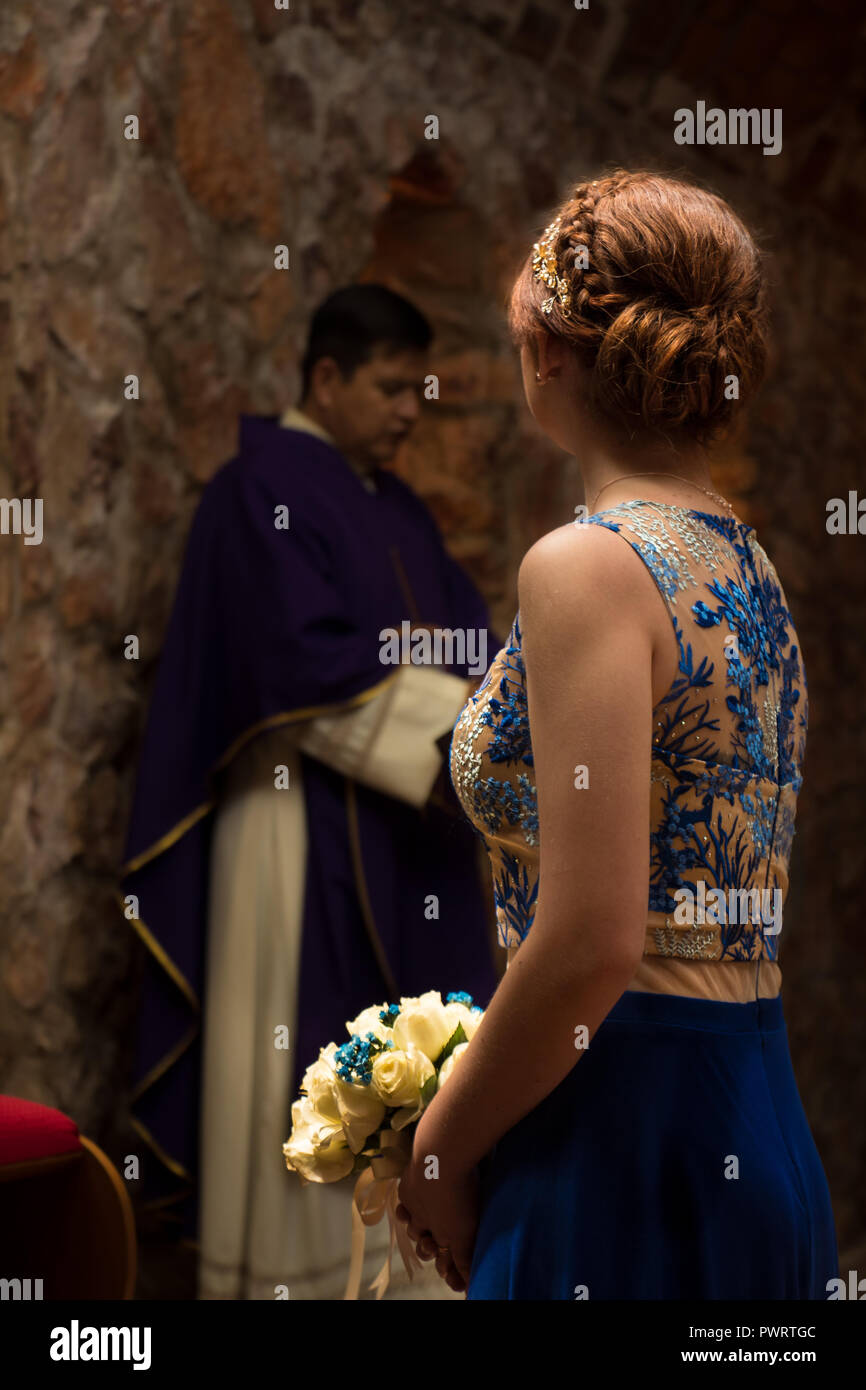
(458, 1036)
(428, 1090)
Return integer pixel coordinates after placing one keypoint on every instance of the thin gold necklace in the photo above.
(706, 491)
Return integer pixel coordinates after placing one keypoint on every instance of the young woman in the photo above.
(625, 1122)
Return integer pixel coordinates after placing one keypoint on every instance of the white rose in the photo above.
(317, 1147)
(320, 1083)
(447, 1066)
(425, 1023)
(361, 1110)
(357, 1108)
(399, 1077)
(368, 1021)
(461, 1013)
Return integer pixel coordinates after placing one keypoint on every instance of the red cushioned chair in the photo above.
(65, 1214)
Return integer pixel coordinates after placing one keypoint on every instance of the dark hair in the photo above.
(353, 321)
(670, 304)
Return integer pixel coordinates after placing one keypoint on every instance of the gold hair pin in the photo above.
(544, 268)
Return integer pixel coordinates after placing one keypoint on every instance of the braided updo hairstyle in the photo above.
(669, 308)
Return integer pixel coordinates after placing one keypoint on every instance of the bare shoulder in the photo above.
(586, 577)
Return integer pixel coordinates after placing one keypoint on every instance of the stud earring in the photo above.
(538, 378)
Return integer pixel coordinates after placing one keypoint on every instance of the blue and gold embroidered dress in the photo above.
(616, 1183)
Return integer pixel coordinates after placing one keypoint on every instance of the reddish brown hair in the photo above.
(671, 305)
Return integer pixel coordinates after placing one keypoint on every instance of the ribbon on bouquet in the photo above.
(376, 1196)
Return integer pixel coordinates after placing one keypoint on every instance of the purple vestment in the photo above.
(270, 622)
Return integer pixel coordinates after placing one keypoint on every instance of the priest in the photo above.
(295, 852)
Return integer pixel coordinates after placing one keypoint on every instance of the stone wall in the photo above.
(155, 257)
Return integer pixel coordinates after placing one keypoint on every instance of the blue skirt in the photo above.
(675, 1161)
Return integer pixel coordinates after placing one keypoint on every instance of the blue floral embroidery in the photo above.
(728, 805)
(497, 800)
(515, 893)
(510, 800)
(508, 715)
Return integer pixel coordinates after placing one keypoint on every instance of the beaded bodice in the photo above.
(727, 747)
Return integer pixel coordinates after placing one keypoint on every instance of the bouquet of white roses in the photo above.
(360, 1102)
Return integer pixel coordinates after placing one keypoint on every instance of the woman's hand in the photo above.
(441, 1212)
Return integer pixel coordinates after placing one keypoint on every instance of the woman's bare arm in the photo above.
(588, 648)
